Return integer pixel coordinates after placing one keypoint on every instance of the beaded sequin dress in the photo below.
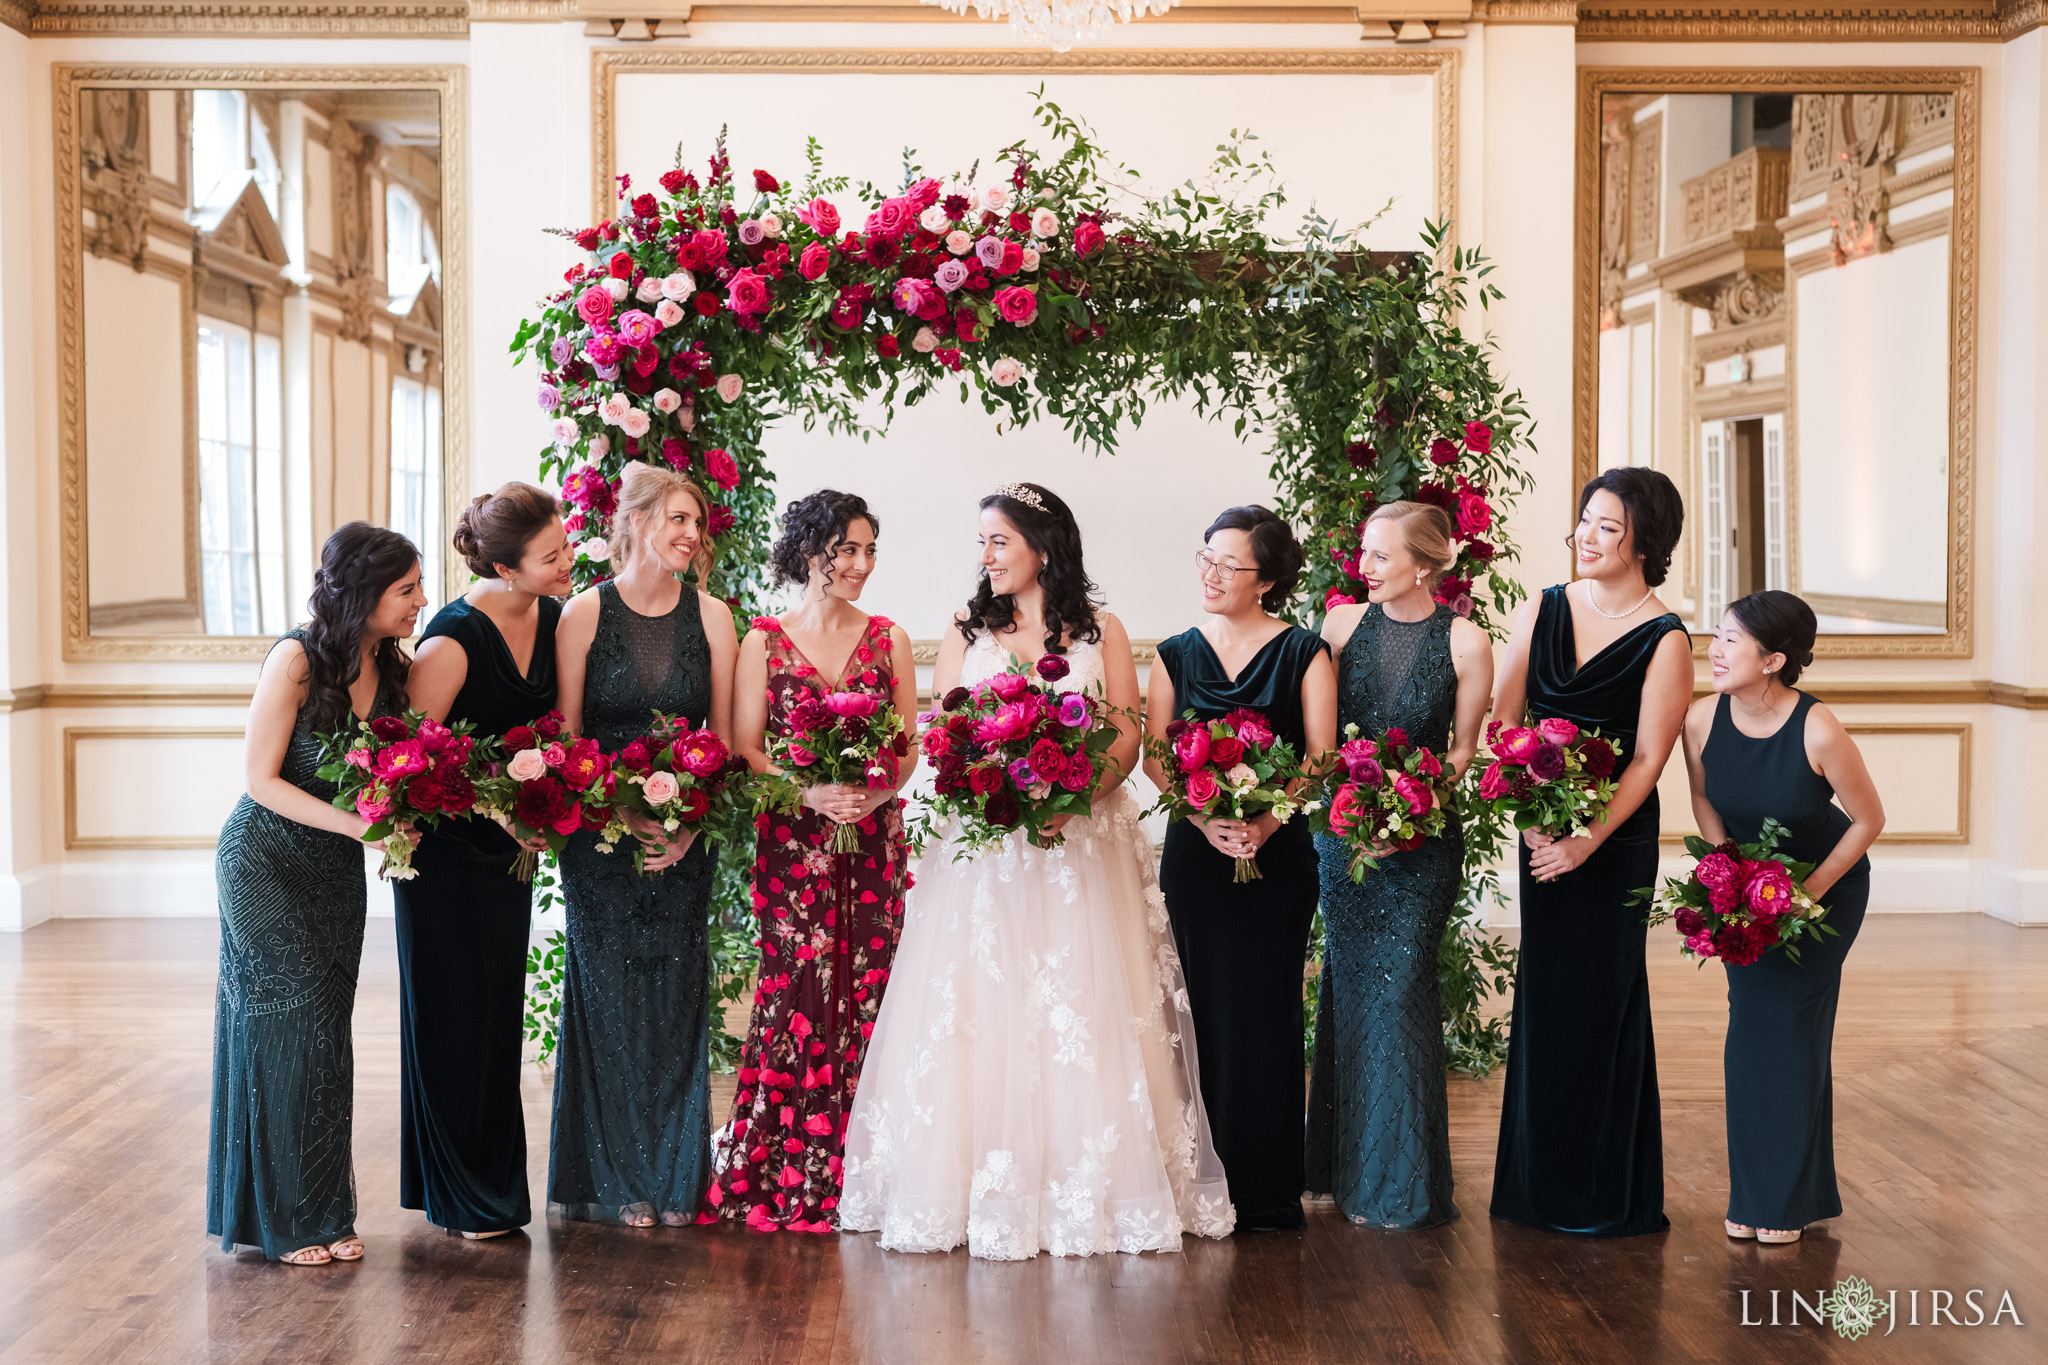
(292, 902)
(1378, 1117)
(632, 1073)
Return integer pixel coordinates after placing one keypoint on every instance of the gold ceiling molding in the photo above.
(17, 14)
(244, 18)
(1964, 83)
(1796, 20)
(608, 63)
(67, 80)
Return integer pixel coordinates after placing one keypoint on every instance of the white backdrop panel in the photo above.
(1360, 141)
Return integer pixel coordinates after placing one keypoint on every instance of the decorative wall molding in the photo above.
(72, 735)
(1806, 20)
(1964, 85)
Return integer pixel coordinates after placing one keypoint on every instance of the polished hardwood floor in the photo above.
(1941, 1107)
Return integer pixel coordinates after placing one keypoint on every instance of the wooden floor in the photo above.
(1941, 1106)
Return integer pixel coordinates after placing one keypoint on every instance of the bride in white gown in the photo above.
(1031, 1083)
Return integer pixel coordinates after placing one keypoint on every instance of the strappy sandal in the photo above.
(673, 1219)
(1741, 1232)
(312, 1255)
(639, 1215)
(349, 1248)
(1779, 1237)
(480, 1236)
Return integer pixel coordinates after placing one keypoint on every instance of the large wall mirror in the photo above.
(263, 273)
(1777, 295)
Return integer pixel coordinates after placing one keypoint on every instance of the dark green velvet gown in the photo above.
(1379, 1131)
(1781, 1013)
(463, 927)
(1581, 1139)
(633, 1065)
(1242, 944)
(280, 1174)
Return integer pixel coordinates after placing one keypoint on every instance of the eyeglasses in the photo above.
(1209, 564)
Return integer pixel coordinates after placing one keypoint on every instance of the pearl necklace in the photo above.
(1616, 615)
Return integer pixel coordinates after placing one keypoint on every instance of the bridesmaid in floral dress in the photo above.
(828, 922)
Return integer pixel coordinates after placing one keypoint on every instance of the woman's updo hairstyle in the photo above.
(1427, 532)
(357, 564)
(1072, 601)
(814, 527)
(495, 528)
(644, 491)
(1274, 549)
(1780, 623)
(1656, 514)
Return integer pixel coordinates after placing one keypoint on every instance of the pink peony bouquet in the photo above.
(847, 739)
(1012, 753)
(1738, 902)
(1233, 767)
(540, 786)
(679, 778)
(1551, 776)
(1386, 796)
(398, 772)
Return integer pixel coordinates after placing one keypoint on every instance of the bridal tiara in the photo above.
(1024, 493)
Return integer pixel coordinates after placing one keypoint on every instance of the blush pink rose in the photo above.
(526, 765)
(729, 386)
(661, 788)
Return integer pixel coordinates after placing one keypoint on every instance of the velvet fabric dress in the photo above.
(632, 1125)
(463, 927)
(1781, 1013)
(1581, 1139)
(1379, 1131)
(828, 923)
(1242, 944)
(280, 1174)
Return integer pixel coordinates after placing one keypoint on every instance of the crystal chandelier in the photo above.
(1059, 24)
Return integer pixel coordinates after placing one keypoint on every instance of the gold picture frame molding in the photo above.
(67, 80)
(1441, 64)
(73, 734)
(1965, 83)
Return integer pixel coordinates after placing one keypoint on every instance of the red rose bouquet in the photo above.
(1233, 767)
(1011, 753)
(848, 739)
(1386, 795)
(679, 778)
(540, 787)
(1738, 902)
(1552, 775)
(397, 772)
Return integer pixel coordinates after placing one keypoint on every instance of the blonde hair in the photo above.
(1426, 530)
(645, 489)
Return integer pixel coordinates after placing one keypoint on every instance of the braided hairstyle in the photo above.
(812, 527)
(358, 562)
(1071, 598)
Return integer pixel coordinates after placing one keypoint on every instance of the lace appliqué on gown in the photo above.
(1031, 1085)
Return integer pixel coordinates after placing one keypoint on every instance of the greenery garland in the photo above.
(708, 312)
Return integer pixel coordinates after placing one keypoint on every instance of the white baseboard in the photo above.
(2015, 895)
(26, 900)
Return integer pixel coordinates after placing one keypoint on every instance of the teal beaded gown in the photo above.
(1379, 1135)
(632, 1122)
(281, 1175)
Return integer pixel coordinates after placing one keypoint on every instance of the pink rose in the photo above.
(891, 218)
(815, 261)
(359, 758)
(1337, 597)
(729, 386)
(1493, 784)
(1017, 305)
(823, 218)
(1346, 809)
(1478, 437)
(1254, 733)
(721, 468)
(1557, 729)
(1087, 238)
(1202, 788)
(375, 801)
(678, 286)
(662, 788)
(1415, 792)
(667, 400)
(801, 756)
(526, 765)
(1079, 773)
(1005, 372)
(747, 293)
(594, 305)
(635, 423)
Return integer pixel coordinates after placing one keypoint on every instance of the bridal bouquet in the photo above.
(679, 778)
(539, 787)
(1233, 767)
(1389, 795)
(398, 771)
(1011, 753)
(848, 739)
(1739, 901)
(1551, 776)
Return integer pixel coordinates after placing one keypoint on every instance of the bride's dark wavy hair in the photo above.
(358, 562)
(1071, 597)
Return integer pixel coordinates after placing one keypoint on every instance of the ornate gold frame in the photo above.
(1595, 83)
(1441, 64)
(66, 81)
(72, 734)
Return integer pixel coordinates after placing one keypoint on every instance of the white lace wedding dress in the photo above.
(1031, 1084)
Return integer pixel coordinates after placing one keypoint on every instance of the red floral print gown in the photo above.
(829, 924)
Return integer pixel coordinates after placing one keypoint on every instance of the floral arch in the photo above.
(711, 308)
